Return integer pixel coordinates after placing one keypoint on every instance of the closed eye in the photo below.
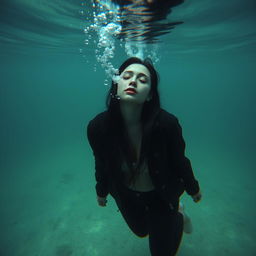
(143, 81)
(129, 74)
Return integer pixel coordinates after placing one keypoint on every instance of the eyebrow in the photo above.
(140, 74)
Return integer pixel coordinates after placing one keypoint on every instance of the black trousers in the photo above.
(147, 214)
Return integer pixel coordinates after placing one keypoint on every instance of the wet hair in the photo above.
(116, 128)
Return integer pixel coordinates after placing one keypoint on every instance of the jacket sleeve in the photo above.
(94, 138)
(181, 163)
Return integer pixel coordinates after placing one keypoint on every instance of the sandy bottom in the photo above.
(48, 207)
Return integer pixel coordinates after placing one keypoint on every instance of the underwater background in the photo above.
(54, 79)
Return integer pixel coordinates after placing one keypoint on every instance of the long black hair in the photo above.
(116, 128)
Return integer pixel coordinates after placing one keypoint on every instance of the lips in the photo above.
(131, 90)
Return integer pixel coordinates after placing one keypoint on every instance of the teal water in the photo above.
(52, 85)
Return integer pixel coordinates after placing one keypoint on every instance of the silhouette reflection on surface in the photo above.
(144, 20)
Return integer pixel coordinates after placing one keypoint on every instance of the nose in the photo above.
(133, 82)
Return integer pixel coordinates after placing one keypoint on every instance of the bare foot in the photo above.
(188, 228)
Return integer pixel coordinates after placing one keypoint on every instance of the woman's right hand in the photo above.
(102, 200)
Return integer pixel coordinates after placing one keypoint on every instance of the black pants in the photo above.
(147, 214)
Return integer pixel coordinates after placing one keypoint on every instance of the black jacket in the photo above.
(169, 168)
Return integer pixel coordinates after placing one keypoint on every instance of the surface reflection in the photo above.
(144, 20)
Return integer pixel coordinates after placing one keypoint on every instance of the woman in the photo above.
(139, 158)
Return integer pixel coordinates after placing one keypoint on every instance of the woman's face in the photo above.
(134, 84)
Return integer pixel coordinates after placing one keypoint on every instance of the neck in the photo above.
(131, 113)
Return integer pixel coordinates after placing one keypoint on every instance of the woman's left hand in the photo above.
(197, 197)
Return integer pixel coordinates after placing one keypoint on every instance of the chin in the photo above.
(132, 101)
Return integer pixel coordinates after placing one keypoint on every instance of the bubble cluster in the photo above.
(106, 25)
(142, 50)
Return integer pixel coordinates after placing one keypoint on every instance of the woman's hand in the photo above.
(197, 197)
(102, 201)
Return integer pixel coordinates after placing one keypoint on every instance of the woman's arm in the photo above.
(181, 163)
(94, 138)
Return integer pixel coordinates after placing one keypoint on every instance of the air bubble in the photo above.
(106, 25)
